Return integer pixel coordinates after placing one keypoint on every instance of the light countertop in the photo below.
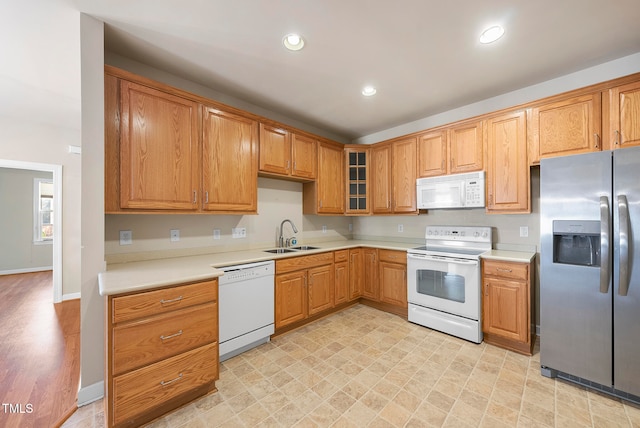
(510, 256)
(143, 275)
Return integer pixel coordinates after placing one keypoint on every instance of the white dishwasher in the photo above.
(246, 305)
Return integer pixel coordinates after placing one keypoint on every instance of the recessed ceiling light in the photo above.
(293, 42)
(491, 34)
(368, 91)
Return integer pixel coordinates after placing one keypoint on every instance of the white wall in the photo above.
(40, 108)
(19, 253)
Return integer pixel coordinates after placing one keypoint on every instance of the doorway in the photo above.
(56, 171)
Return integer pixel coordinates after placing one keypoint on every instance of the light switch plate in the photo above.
(216, 233)
(126, 237)
(400, 228)
(175, 235)
(524, 231)
(324, 228)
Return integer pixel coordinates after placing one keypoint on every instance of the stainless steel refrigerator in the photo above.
(590, 270)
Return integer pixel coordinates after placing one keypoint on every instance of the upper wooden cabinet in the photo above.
(565, 127)
(465, 147)
(358, 182)
(159, 150)
(452, 150)
(229, 162)
(326, 194)
(508, 178)
(394, 177)
(622, 116)
(287, 154)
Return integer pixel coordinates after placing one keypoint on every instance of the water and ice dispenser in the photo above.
(576, 242)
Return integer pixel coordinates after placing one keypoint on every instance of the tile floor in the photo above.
(366, 368)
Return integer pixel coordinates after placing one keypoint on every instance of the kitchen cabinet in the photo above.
(304, 286)
(566, 126)
(357, 181)
(466, 150)
(393, 278)
(161, 351)
(508, 177)
(508, 304)
(394, 177)
(229, 162)
(286, 153)
(370, 289)
(325, 195)
(356, 270)
(622, 115)
(159, 149)
(432, 153)
(341, 269)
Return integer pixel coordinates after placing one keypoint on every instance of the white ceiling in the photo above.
(422, 55)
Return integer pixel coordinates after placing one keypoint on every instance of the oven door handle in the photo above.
(442, 259)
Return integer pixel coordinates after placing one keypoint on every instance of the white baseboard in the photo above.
(25, 270)
(71, 296)
(91, 393)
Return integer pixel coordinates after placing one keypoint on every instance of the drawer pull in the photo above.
(163, 337)
(504, 270)
(169, 382)
(177, 299)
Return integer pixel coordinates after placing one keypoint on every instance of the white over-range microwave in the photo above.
(451, 191)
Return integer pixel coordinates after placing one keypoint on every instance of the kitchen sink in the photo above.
(280, 251)
(304, 248)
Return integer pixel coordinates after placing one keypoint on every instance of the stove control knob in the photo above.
(462, 233)
(476, 234)
(484, 234)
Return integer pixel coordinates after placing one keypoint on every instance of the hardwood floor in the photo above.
(39, 352)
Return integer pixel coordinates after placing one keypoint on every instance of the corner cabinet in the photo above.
(507, 305)
(325, 195)
(357, 181)
(229, 162)
(161, 351)
(508, 177)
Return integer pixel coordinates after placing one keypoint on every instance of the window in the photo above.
(43, 210)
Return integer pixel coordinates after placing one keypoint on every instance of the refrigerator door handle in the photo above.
(605, 228)
(623, 215)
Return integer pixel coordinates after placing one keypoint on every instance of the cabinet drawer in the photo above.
(304, 262)
(506, 269)
(149, 340)
(147, 388)
(393, 256)
(155, 302)
(341, 256)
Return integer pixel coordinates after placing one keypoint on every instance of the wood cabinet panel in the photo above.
(432, 154)
(358, 181)
(404, 176)
(275, 150)
(303, 262)
(381, 179)
(159, 150)
(370, 288)
(326, 194)
(156, 302)
(508, 177)
(151, 387)
(566, 127)
(393, 283)
(304, 154)
(290, 298)
(320, 289)
(623, 126)
(341, 294)
(466, 148)
(230, 162)
(146, 341)
(356, 273)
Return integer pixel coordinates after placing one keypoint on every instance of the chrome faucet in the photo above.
(281, 238)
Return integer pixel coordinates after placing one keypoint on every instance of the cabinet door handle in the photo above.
(504, 270)
(617, 143)
(195, 197)
(206, 197)
(177, 299)
(596, 138)
(171, 336)
(169, 382)
(486, 289)
(288, 165)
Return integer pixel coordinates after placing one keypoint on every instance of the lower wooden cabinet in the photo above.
(356, 279)
(393, 277)
(304, 286)
(507, 305)
(369, 274)
(341, 270)
(161, 351)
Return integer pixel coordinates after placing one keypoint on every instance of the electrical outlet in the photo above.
(216, 233)
(350, 227)
(524, 231)
(400, 228)
(324, 228)
(126, 237)
(175, 235)
(239, 232)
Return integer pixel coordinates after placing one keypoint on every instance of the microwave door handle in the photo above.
(623, 215)
(462, 193)
(605, 258)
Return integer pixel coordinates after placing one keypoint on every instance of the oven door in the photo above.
(445, 284)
